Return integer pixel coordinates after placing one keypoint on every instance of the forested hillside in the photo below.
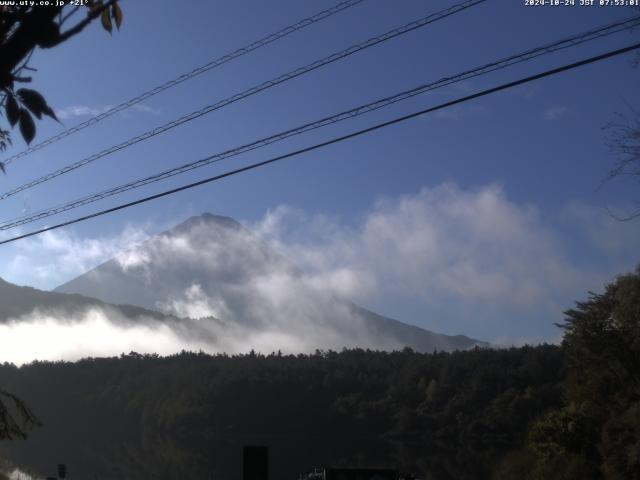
(454, 415)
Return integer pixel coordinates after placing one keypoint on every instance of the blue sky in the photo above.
(505, 182)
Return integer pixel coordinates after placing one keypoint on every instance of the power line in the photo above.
(378, 126)
(189, 75)
(360, 110)
(251, 91)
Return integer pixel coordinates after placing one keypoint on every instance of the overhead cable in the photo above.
(342, 138)
(189, 75)
(354, 112)
(249, 92)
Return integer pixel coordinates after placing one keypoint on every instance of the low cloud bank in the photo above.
(102, 333)
(46, 336)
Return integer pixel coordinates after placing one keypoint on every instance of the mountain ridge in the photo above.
(17, 301)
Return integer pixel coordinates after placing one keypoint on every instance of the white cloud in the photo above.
(141, 107)
(48, 336)
(55, 256)
(195, 303)
(74, 111)
(554, 113)
(230, 274)
(472, 246)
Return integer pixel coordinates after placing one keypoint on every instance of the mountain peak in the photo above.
(208, 219)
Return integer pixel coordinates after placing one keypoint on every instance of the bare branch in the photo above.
(623, 140)
(10, 426)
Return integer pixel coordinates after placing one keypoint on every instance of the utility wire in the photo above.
(360, 110)
(317, 146)
(252, 91)
(189, 75)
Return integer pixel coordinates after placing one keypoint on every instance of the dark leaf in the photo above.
(35, 102)
(12, 109)
(27, 127)
(50, 113)
(106, 20)
(116, 13)
(2, 167)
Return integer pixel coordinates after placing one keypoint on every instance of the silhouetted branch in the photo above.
(10, 426)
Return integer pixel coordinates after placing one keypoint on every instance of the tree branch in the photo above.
(82, 25)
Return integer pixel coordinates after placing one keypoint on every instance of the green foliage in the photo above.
(597, 432)
(602, 342)
(620, 444)
(562, 432)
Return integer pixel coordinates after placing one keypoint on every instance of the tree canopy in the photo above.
(596, 433)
